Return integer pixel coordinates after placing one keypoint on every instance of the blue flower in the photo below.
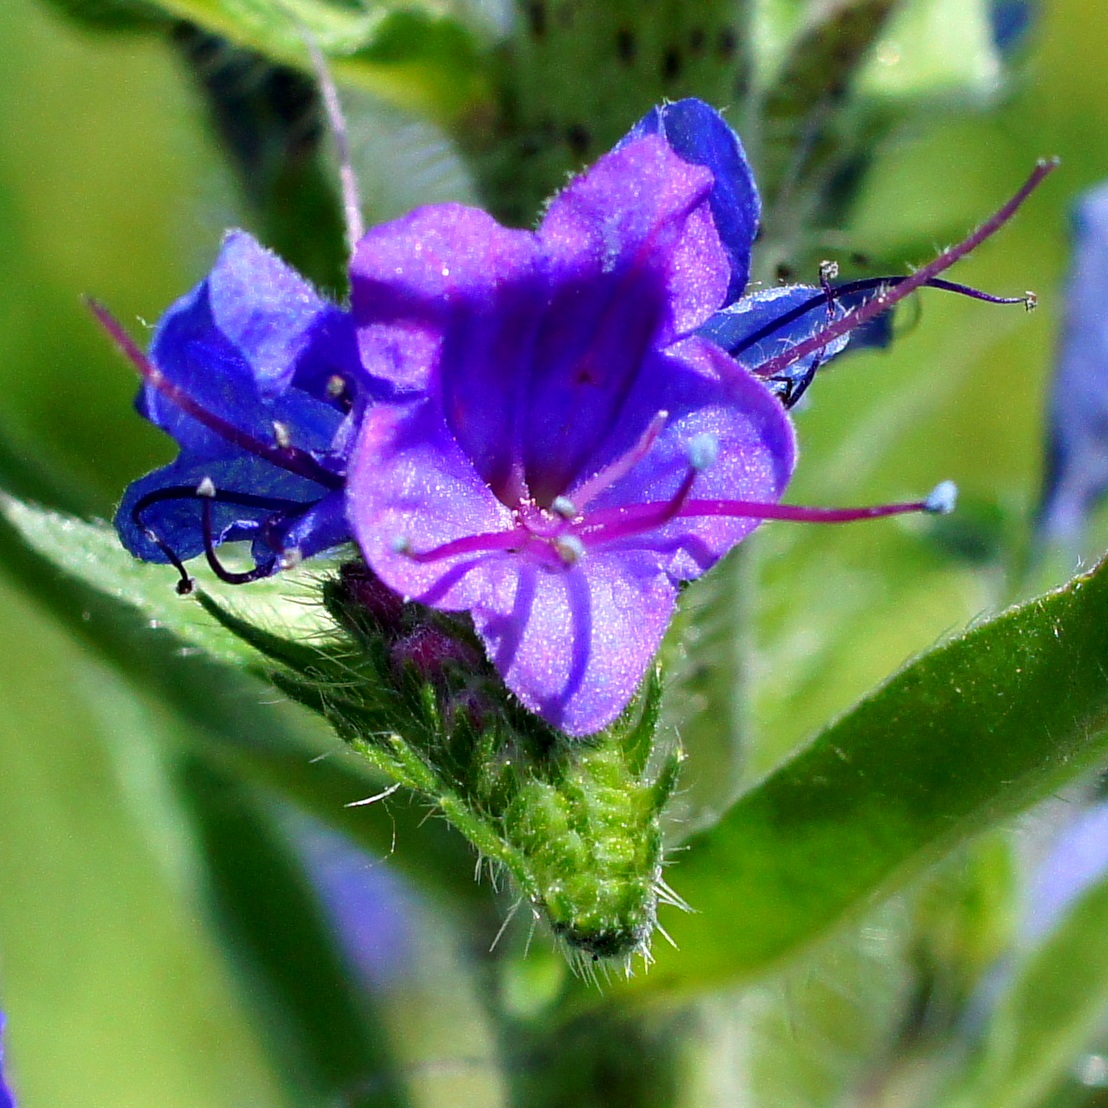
(7, 1097)
(258, 380)
(1077, 451)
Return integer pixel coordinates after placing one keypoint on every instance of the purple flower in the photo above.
(7, 1097)
(259, 381)
(551, 430)
(1077, 454)
(585, 415)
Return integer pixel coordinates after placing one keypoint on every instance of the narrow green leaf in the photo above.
(1050, 1011)
(969, 734)
(413, 57)
(320, 1023)
(123, 609)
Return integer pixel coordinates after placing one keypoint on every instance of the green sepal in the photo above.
(577, 824)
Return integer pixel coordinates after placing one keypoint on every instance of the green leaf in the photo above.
(412, 57)
(969, 734)
(122, 608)
(1051, 1009)
(320, 1023)
(92, 553)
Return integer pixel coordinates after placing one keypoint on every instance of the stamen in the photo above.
(336, 386)
(564, 507)
(610, 474)
(887, 298)
(943, 499)
(703, 450)
(213, 561)
(1029, 300)
(620, 523)
(291, 459)
(290, 558)
(207, 492)
(281, 435)
(570, 549)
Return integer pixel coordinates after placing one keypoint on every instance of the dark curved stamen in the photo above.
(288, 457)
(190, 492)
(873, 307)
(866, 284)
(213, 561)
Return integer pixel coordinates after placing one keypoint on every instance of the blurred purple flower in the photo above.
(259, 381)
(7, 1097)
(1011, 20)
(370, 908)
(1077, 858)
(1077, 447)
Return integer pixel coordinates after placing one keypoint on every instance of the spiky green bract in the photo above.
(576, 823)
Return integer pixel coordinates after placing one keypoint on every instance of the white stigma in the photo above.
(703, 450)
(206, 488)
(564, 507)
(570, 549)
(943, 498)
(281, 435)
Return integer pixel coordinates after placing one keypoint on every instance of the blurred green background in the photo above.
(110, 184)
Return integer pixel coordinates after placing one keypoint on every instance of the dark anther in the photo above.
(536, 17)
(696, 41)
(785, 272)
(578, 139)
(671, 64)
(626, 47)
(727, 43)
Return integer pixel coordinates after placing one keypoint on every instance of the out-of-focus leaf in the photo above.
(811, 85)
(936, 49)
(549, 120)
(705, 658)
(248, 732)
(972, 732)
(322, 1026)
(95, 943)
(413, 57)
(111, 15)
(1051, 1009)
(813, 1034)
(270, 122)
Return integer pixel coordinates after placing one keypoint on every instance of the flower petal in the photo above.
(633, 261)
(410, 480)
(700, 135)
(738, 323)
(195, 354)
(574, 645)
(704, 394)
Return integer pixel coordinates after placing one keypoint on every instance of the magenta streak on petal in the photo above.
(610, 474)
(486, 542)
(284, 457)
(885, 300)
(620, 523)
